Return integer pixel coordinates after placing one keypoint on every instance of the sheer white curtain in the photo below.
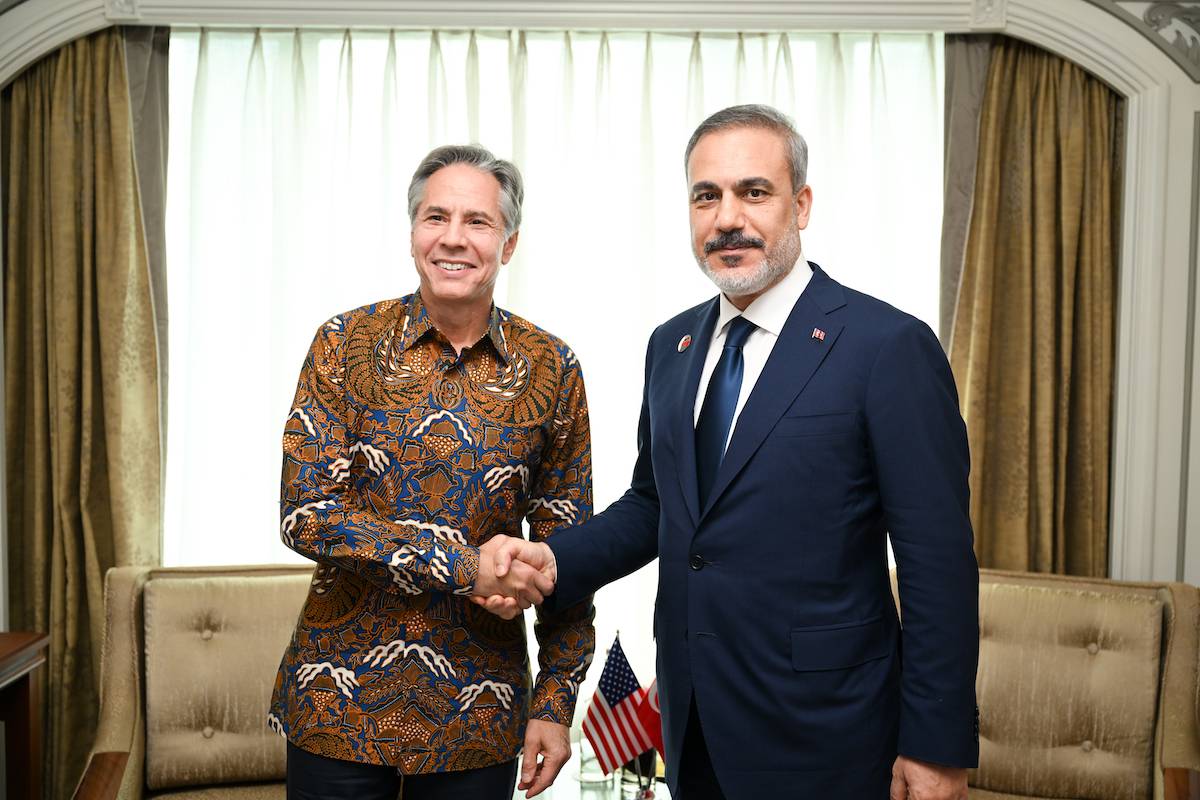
(290, 156)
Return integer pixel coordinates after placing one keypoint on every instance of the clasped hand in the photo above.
(514, 574)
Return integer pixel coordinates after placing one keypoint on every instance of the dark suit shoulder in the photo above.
(879, 313)
(878, 321)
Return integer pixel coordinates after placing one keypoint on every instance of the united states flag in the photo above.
(611, 723)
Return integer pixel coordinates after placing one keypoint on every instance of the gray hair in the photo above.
(512, 189)
(758, 116)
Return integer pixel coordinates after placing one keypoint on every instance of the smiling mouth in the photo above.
(452, 266)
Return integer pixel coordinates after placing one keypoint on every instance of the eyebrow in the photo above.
(470, 213)
(755, 182)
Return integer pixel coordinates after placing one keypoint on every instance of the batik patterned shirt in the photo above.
(400, 458)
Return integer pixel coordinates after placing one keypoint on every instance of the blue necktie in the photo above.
(716, 415)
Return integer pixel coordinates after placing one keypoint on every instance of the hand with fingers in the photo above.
(505, 585)
(920, 780)
(549, 742)
(509, 562)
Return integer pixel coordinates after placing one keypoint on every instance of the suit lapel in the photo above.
(685, 404)
(793, 361)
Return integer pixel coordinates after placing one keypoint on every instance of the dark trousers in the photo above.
(314, 777)
(697, 780)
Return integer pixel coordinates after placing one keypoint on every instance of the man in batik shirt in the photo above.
(422, 428)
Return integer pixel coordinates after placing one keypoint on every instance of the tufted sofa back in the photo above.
(1068, 691)
(189, 662)
(1087, 688)
(212, 644)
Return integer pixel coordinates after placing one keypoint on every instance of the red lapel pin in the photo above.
(685, 342)
(818, 334)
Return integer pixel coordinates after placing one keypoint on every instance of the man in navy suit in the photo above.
(788, 426)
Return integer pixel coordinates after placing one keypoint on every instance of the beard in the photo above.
(777, 261)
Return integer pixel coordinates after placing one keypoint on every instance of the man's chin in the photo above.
(738, 280)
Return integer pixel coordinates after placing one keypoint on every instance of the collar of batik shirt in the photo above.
(419, 323)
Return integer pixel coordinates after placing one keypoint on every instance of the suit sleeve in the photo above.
(919, 446)
(619, 540)
(322, 517)
(561, 497)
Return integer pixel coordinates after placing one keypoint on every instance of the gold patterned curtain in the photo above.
(82, 425)
(1033, 337)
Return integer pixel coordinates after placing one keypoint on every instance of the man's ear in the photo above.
(509, 247)
(803, 201)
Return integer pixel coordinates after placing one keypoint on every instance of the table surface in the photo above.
(568, 786)
(20, 653)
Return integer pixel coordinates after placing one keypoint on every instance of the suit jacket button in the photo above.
(696, 562)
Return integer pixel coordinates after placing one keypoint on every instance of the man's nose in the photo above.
(730, 214)
(455, 234)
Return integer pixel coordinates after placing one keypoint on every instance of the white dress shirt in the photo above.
(768, 312)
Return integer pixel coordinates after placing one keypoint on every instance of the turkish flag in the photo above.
(650, 717)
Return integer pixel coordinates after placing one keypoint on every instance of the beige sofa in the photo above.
(187, 669)
(1087, 688)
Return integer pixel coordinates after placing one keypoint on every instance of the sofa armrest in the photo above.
(121, 728)
(1181, 784)
(103, 776)
(1179, 701)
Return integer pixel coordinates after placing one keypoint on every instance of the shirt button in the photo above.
(208, 732)
(696, 562)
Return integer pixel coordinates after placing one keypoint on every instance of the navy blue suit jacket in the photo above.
(774, 605)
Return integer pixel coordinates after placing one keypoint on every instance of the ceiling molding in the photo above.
(1174, 28)
(36, 27)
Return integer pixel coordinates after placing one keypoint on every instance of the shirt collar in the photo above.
(417, 323)
(771, 309)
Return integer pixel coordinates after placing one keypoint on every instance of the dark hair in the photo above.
(758, 116)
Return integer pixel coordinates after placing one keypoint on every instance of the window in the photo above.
(290, 157)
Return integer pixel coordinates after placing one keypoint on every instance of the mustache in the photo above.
(731, 239)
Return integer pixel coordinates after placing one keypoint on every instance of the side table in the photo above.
(21, 658)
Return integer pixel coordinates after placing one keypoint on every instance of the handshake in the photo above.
(514, 574)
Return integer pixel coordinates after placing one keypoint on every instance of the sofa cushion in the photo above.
(213, 645)
(1067, 687)
(253, 791)
(984, 794)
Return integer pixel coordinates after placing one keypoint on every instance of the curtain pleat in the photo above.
(472, 89)
(517, 79)
(81, 363)
(695, 83)
(967, 59)
(1033, 336)
(740, 77)
(438, 112)
(783, 82)
(147, 63)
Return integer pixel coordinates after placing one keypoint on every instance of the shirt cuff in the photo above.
(448, 567)
(554, 699)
